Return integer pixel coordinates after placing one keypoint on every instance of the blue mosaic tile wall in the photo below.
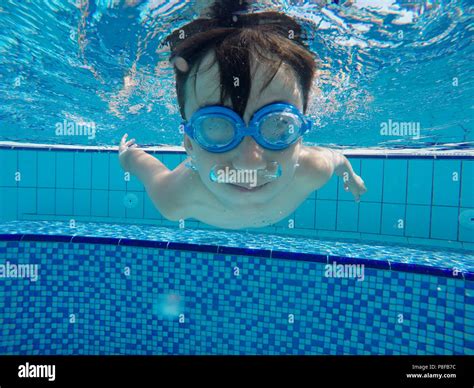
(109, 299)
(409, 200)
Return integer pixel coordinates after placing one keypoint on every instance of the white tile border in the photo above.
(171, 148)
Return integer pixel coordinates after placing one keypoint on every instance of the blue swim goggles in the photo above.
(220, 129)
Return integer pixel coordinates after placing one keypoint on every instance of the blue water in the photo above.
(100, 62)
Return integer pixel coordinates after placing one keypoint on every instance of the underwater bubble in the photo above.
(168, 306)
(130, 201)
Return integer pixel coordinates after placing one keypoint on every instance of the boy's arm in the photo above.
(154, 175)
(325, 162)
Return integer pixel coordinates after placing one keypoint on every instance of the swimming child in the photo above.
(243, 83)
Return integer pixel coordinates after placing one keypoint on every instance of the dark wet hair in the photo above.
(234, 36)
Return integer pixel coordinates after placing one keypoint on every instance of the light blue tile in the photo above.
(82, 170)
(444, 222)
(347, 195)
(100, 171)
(420, 182)
(150, 211)
(46, 169)
(446, 185)
(304, 215)
(372, 173)
(137, 210)
(347, 216)
(100, 203)
(418, 221)
(65, 170)
(26, 201)
(64, 202)
(134, 184)
(171, 160)
(46, 201)
(393, 219)
(466, 230)
(116, 175)
(325, 214)
(82, 202)
(27, 165)
(369, 217)
(8, 203)
(329, 190)
(116, 206)
(467, 192)
(394, 181)
(8, 163)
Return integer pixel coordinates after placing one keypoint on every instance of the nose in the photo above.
(249, 155)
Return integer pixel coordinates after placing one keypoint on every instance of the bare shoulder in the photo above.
(316, 167)
(173, 193)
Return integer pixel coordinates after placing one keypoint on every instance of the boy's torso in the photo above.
(197, 201)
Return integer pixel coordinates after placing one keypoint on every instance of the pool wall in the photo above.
(415, 199)
(111, 296)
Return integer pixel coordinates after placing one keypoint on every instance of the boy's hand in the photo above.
(354, 184)
(124, 150)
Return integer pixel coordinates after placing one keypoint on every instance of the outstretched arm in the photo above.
(325, 162)
(137, 162)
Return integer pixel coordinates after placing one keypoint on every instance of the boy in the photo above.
(242, 81)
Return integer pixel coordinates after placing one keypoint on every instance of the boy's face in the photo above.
(248, 155)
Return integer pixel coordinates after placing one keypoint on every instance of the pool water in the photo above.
(89, 266)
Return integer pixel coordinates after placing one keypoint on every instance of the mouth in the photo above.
(247, 189)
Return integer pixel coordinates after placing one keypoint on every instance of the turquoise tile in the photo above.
(372, 173)
(64, 202)
(329, 190)
(46, 201)
(171, 160)
(347, 216)
(100, 203)
(137, 210)
(82, 202)
(304, 215)
(418, 221)
(343, 194)
(8, 161)
(325, 214)
(100, 171)
(393, 219)
(394, 181)
(466, 229)
(46, 169)
(150, 211)
(134, 184)
(446, 185)
(8, 203)
(117, 175)
(82, 170)
(467, 190)
(444, 222)
(65, 170)
(26, 200)
(369, 217)
(27, 165)
(420, 182)
(116, 206)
